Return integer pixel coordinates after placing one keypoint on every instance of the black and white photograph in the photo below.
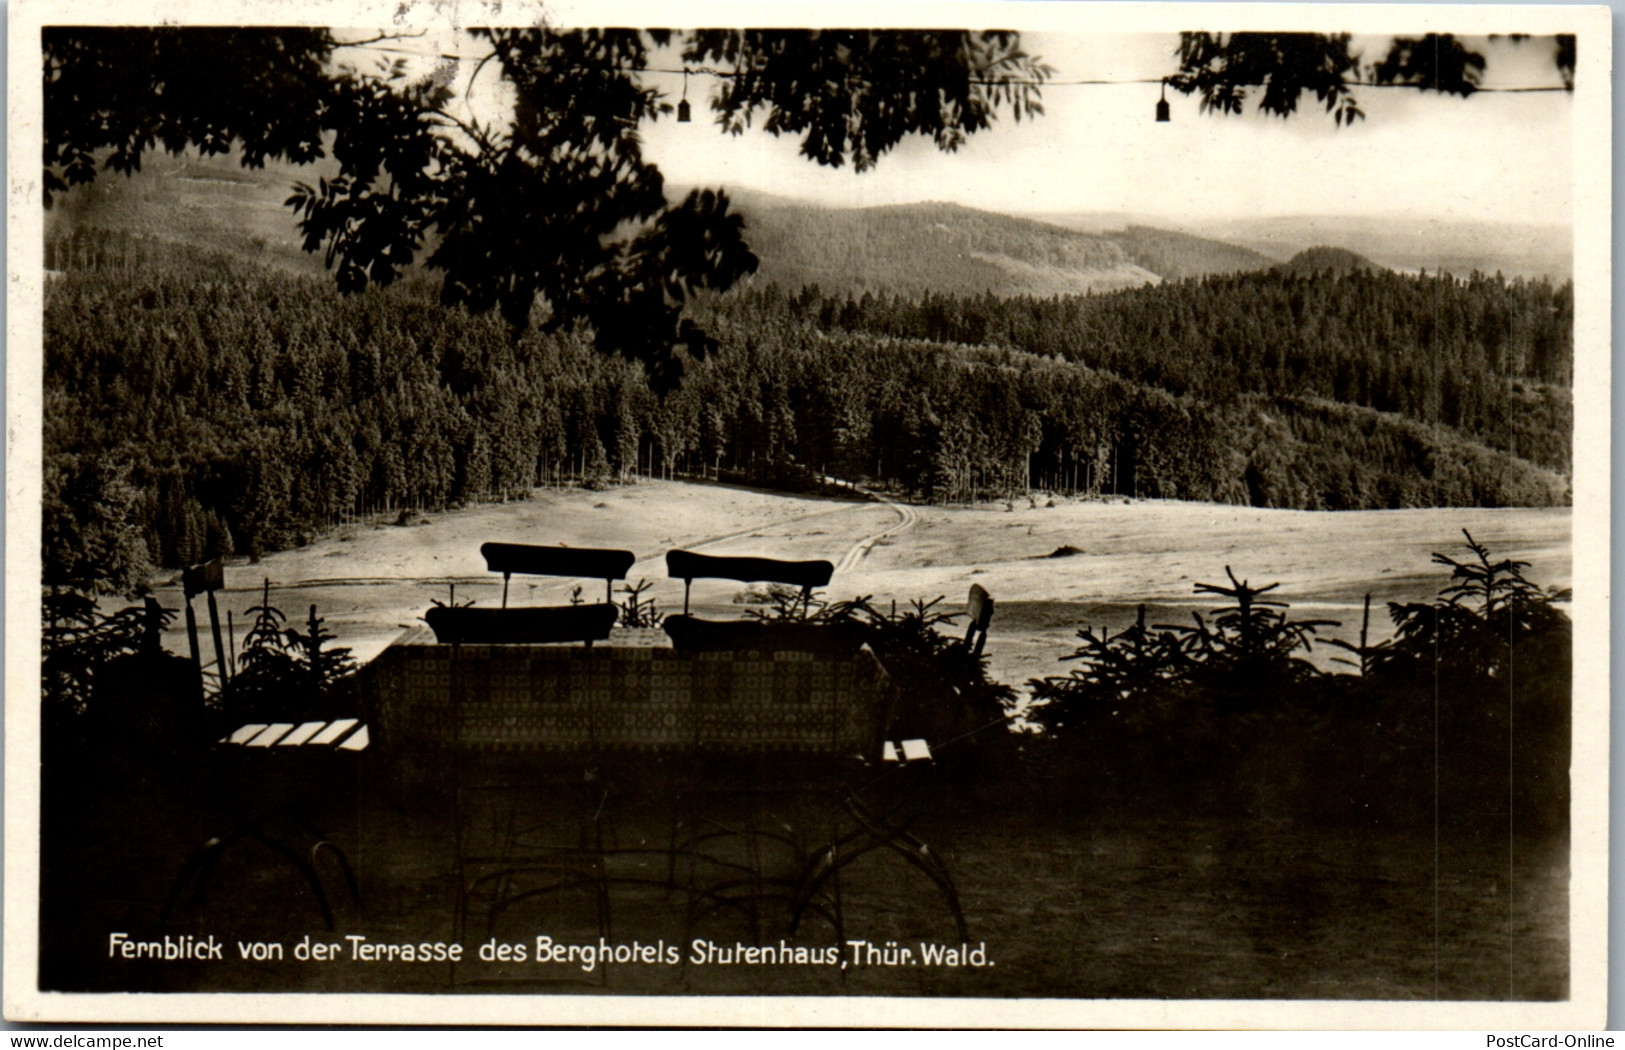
(1093, 517)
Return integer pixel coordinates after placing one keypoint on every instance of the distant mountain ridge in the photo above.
(911, 249)
(1457, 246)
(905, 249)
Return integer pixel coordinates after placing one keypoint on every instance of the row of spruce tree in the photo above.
(197, 404)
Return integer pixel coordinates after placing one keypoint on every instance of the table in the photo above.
(777, 722)
(622, 697)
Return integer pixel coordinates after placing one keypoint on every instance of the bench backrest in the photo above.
(688, 567)
(529, 559)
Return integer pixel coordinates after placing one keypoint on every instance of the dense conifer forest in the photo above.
(197, 404)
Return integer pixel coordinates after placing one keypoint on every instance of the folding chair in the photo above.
(884, 803)
(735, 850)
(205, 579)
(504, 799)
(269, 781)
(935, 708)
(979, 607)
(774, 746)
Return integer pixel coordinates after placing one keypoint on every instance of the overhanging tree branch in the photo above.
(1226, 69)
(560, 215)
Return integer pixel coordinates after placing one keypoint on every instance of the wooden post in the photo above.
(191, 638)
(1365, 627)
(314, 645)
(153, 624)
(219, 647)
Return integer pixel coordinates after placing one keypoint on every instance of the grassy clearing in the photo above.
(371, 581)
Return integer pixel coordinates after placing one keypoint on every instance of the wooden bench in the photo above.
(541, 624)
(535, 625)
(693, 634)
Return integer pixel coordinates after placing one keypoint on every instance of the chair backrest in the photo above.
(528, 559)
(979, 608)
(202, 579)
(688, 567)
(532, 626)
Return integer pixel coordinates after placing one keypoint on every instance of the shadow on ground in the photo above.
(1065, 904)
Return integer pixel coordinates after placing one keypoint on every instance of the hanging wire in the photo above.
(728, 74)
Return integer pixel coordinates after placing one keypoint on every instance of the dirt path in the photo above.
(907, 518)
(657, 562)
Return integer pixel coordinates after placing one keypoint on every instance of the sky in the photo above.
(1097, 148)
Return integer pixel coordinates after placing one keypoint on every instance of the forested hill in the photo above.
(210, 204)
(195, 404)
(1486, 357)
(216, 205)
(1174, 256)
(1324, 259)
(912, 249)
